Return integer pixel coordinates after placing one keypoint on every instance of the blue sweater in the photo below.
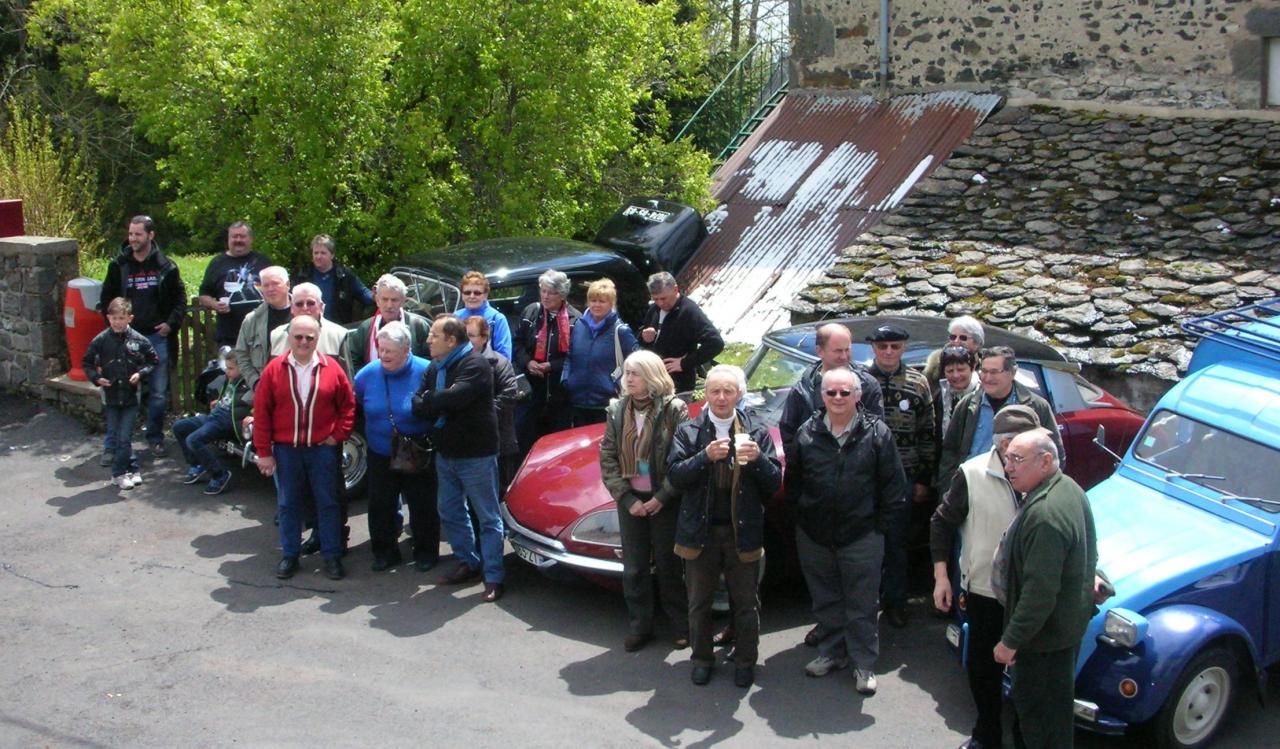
(371, 396)
(591, 360)
(499, 330)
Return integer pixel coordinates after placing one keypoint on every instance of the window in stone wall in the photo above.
(1271, 71)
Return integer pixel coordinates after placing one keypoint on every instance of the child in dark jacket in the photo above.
(195, 433)
(117, 360)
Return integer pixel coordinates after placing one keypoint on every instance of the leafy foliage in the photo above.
(394, 125)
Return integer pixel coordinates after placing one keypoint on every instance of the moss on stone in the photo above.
(1138, 317)
(1180, 300)
(971, 271)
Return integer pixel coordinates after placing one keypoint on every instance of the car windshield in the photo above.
(1210, 457)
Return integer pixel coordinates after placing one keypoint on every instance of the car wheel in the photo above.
(355, 465)
(1198, 702)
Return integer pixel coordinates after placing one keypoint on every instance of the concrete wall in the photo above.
(1187, 53)
(33, 278)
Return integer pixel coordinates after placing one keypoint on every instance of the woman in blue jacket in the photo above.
(597, 347)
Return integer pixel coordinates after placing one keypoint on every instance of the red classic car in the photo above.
(561, 520)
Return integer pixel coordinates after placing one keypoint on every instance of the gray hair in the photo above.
(969, 324)
(1010, 361)
(731, 371)
(274, 270)
(241, 225)
(308, 289)
(1042, 439)
(661, 281)
(324, 240)
(390, 282)
(554, 280)
(855, 383)
(396, 333)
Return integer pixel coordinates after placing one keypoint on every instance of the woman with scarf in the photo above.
(598, 344)
(633, 458)
(541, 345)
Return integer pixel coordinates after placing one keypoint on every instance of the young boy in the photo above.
(194, 433)
(117, 359)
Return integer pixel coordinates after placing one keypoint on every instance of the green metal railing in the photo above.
(752, 88)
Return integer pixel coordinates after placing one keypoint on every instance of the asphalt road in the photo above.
(153, 618)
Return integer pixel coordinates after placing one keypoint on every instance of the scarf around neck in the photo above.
(445, 363)
(562, 332)
(637, 441)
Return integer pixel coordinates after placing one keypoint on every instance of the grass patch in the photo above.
(190, 268)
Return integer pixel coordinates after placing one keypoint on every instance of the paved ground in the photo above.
(153, 619)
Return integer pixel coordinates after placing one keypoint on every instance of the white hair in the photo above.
(390, 282)
(969, 324)
(308, 289)
(731, 371)
(855, 383)
(274, 270)
(394, 332)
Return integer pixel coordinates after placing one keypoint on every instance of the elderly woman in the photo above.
(598, 344)
(725, 466)
(475, 303)
(541, 346)
(633, 461)
(505, 393)
(384, 392)
(964, 331)
(959, 378)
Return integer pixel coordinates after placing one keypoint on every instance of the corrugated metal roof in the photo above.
(821, 170)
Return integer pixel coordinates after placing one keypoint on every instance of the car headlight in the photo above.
(599, 528)
(1124, 628)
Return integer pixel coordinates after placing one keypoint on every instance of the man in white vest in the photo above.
(980, 504)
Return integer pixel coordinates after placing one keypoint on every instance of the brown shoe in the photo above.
(723, 637)
(635, 642)
(811, 637)
(680, 642)
(461, 574)
(492, 592)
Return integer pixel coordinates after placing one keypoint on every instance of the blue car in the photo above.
(1189, 534)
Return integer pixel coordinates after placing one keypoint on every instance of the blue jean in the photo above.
(120, 421)
(306, 472)
(473, 481)
(194, 434)
(158, 389)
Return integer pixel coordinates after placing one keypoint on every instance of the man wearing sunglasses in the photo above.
(909, 413)
(834, 346)
(304, 408)
(845, 484)
(306, 301)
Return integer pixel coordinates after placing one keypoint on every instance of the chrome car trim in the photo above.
(529, 540)
(509, 520)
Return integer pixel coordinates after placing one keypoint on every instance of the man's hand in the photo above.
(104, 382)
(246, 422)
(213, 403)
(649, 335)
(134, 378)
(942, 589)
(920, 494)
(1102, 590)
(652, 507)
(330, 441)
(717, 449)
(637, 509)
(748, 451)
(538, 368)
(1003, 654)
(673, 364)
(266, 466)
(163, 328)
(221, 307)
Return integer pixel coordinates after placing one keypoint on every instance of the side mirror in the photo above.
(1100, 439)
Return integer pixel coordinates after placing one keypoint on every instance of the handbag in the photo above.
(408, 455)
(616, 374)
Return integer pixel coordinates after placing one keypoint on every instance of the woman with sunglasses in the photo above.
(475, 301)
(964, 331)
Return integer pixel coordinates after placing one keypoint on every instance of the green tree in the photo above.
(393, 124)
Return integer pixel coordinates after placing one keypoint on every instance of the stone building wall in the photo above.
(33, 278)
(1095, 182)
(1187, 53)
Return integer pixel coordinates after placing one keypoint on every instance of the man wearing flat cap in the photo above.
(979, 505)
(908, 411)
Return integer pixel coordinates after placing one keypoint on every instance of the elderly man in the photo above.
(541, 346)
(304, 408)
(979, 507)
(676, 328)
(341, 289)
(306, 302)
(971, 429)
(1046, 567)
(726, 467)
(834, 346)
(362, 342)
(150, 281)
(456, 396)
(963, 331)
(253, 346)
(910, 418)
(844, 482)
(230, 285)
(475, 301)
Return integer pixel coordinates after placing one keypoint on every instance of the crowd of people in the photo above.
(869, 452)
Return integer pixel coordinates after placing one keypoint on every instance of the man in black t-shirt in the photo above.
(676, 329)
(230, 286)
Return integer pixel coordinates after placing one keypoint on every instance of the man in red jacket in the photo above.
(303, 409)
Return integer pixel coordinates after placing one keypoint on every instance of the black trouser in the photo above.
(543, 413)
(720, 556)
(419, 492)
(646, 541)
(581, 416)
(986, 676)
(1043, 697)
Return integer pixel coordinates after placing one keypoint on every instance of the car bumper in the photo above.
(1089, 718)
(549, 555)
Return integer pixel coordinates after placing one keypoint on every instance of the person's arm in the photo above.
(521, 348)
(150, 359)
(209, 287)
(346, 408)
(500, 335)
(686, 462)
(926, 451)
(765, 470)
(891, 481)
(1040, 581)
(947, 518)
(505, 390)
(949, 455)
(610, 469)
(110, 287)
(248, 370)
(793, 415)
(359, 290)
(677, 413)
(474, 380)
(627, 340)
(89, 362)
(706, 339)
(176, 300)
(872, 400)
(793, 478)
(264, 403)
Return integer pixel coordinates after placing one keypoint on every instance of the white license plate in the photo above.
(953, 635)
(532, 557)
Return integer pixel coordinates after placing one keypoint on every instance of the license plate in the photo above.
(532, 557)
(953, 635)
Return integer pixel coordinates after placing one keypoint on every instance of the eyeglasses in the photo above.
(1019, 459)
(306, 303)
(301, 337)
(991, 372)
(473, 292)
(832, 393)
(891, 345)
(958, 337)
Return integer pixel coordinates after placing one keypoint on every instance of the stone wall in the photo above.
(1091, 181)
(33, 278)
(1187, 53)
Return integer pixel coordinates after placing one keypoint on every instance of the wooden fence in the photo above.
(196, 346)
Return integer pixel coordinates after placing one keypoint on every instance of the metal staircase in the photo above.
(753, 87)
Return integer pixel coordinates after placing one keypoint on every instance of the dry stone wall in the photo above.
(33, 277)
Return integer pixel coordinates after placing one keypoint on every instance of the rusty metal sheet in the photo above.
(821, 170)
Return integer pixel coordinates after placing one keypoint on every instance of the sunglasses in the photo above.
(958, 337)
(305, 303)
(832, 393)
(302, 337)
(472, 292)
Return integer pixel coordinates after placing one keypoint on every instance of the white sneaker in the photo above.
(864, 681)
(137, 478)
(822, 665)
(124, 481)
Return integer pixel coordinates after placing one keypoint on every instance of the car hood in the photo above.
(559, 482)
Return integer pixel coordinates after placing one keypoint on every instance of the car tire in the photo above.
(355, 465)
(1199, 701)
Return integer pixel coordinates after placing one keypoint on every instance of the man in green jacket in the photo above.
(1047, 561)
